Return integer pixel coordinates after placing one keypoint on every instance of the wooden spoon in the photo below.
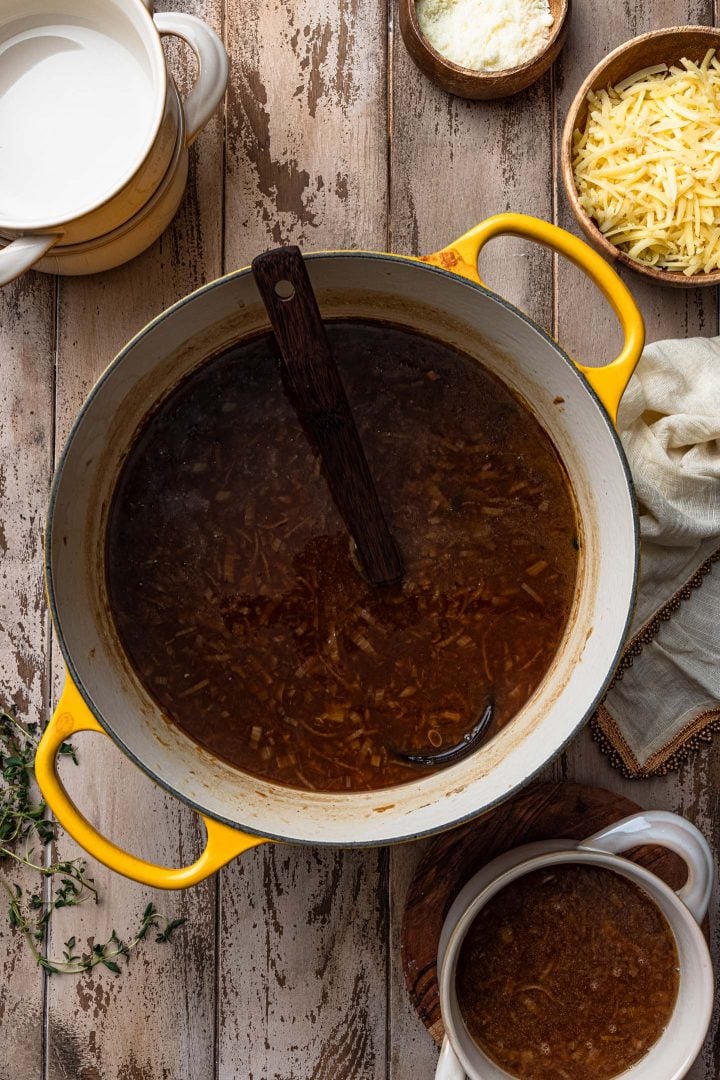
(319, 399)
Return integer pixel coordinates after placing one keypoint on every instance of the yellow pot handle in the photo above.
(223, 842)
(608, 382)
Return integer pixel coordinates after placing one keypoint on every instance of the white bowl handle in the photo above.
(213, 67)
(448, 1066)
(670, 831)
(21, 254)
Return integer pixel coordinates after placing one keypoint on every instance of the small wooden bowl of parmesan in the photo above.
(484, 49)
(641, 156)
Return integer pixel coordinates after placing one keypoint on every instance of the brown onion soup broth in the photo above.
(238, 601)
(568, 973)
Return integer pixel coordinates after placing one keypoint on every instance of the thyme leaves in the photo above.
(26, 831)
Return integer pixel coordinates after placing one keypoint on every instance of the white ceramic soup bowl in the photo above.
(133, 236)
(673, 1054)
(89, 117)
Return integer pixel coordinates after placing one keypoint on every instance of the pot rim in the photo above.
(161, 80)
(617, 863)
(165, 785)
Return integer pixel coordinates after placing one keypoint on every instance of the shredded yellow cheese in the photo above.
(647, 165)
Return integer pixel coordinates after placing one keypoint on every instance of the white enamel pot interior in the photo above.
(456, 311)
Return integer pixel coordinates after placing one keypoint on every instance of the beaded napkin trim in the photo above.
(605, 730)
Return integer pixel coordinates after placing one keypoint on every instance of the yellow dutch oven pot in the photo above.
(440, 295)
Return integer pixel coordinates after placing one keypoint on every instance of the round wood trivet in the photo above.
(540, 812)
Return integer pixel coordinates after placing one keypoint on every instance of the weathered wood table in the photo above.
(288, 968)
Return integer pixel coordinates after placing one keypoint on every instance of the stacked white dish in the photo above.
(93, 135)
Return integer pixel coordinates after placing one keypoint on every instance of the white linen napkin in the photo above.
(666, 695)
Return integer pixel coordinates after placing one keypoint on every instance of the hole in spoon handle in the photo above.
(318, 397)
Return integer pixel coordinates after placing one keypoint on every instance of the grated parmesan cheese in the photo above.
(486, 35)
(647, 165)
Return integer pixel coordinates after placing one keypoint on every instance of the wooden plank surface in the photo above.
(452, 164)
(27, 335)
(157, 1020)
(306, 126)
(302, 966)
(303, 938)
(583, 324)
(289, 967)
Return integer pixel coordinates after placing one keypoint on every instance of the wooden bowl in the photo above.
(667, 46)
(481, 85)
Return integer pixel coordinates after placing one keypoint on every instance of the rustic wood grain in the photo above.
(454, 163)
(302, 966)
(586, 327)
(156, 1021)
(413, 1054)
(27, 331)
(474, 163)
(300, 979)
(306, 133)
(303, 942)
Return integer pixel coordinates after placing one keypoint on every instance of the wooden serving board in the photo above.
(541, 812)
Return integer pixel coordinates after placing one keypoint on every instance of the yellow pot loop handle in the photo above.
(608, 382)
(223, 843)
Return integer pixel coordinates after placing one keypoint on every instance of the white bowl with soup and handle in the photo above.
(673, 1054)
(89, 116)
(442, 297)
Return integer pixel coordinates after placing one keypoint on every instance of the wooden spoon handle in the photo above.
(319, 399)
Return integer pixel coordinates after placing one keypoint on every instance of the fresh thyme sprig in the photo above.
(25, 830)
